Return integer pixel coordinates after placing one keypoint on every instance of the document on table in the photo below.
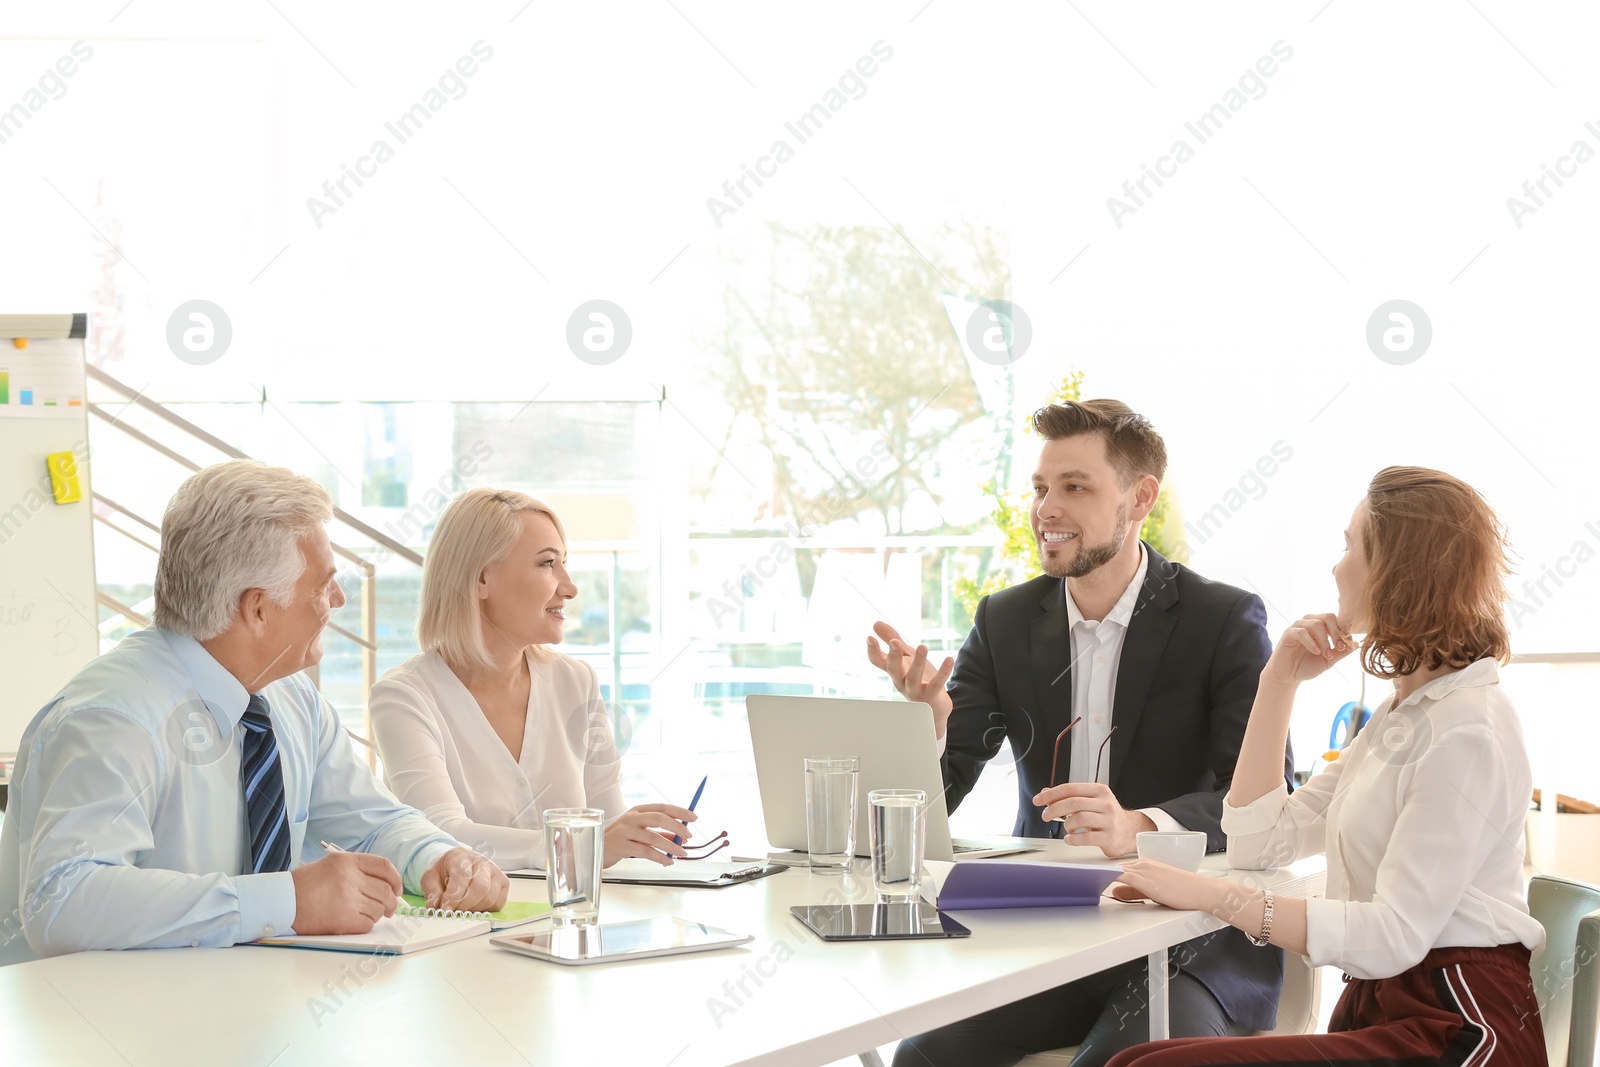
(685, 873)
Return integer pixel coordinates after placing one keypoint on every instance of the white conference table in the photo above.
(804, 1001)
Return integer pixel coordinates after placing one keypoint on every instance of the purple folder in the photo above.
(998, 884)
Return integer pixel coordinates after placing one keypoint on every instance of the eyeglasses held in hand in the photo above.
(711, 846)
(1055, 759)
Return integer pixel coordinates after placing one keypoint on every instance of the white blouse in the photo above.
(1422, 820)
(442, 757)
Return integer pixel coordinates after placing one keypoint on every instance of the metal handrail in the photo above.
(143, 438)
(338, 549)
(121, 609)
(366, 640)
(129, 534)
(357, 638)
(98, 499)
(136, 396)
(101, 498)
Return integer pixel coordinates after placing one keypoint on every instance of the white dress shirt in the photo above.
(126, 826)
(1096, 654)
(1422, 820)
(441, 755)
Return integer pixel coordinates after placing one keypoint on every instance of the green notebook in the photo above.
(515, 913)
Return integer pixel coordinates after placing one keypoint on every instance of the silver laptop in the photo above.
(892, 738)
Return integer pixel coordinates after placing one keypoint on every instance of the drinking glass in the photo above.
(574, 846)
(831, 811)
(897, 834)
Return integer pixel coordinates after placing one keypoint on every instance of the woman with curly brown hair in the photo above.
(1421, 817)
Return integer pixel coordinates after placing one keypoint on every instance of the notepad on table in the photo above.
(416, 926)
(392, 935)
(515, 913)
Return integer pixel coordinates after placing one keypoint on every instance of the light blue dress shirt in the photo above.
(126, 822)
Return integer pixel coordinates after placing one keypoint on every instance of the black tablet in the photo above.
(878, 922)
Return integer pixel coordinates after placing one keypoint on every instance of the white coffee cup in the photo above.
(1183, 849)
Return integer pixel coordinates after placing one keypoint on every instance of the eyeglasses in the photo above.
(1055, 759)
(711, 846)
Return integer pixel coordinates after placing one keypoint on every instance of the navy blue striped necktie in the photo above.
(262, 778)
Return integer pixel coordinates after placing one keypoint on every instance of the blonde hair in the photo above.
(479, 528)
(1436, 585)
(229, 528)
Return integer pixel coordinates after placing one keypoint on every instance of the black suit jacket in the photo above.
(1186, 681)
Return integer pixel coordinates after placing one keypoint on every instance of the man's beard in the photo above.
(1093, 556)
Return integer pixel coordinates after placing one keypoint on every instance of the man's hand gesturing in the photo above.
(912, 674)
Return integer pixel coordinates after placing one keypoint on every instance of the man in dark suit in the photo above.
(1151, 670)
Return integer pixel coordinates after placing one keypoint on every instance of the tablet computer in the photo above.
(878, 922)
(608, 942)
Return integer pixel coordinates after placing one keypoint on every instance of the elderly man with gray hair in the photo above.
(174, 791)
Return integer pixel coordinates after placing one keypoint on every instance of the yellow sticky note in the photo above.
(63, 467)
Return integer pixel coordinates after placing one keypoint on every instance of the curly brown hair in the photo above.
(1436, 587)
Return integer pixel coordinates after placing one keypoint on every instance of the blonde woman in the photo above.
(1421, 818)
(490, 726)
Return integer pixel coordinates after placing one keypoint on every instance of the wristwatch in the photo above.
(1266, 923)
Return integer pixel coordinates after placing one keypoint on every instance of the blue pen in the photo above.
(678, 840)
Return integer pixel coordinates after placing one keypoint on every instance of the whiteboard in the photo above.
(48, 612)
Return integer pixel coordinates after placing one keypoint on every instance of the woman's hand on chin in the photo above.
(1308, 647)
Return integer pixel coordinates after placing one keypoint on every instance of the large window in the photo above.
(679, 624)
(798, 433)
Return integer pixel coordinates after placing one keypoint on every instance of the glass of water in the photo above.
(575, 842)
(831, 811)
(897, 834)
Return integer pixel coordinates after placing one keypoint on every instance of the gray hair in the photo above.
(229, 528)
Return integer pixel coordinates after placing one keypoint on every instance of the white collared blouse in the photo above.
(442, 756)
(1422, 820)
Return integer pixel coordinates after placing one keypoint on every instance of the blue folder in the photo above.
(974, 884)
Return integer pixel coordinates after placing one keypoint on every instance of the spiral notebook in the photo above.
(414, 927)
(392, 936)
(515, 913)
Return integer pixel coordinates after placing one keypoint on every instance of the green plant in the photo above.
(1018, 553)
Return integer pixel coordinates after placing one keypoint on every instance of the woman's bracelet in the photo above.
(1266, 922)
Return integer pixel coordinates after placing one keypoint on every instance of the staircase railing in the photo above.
(119, 518)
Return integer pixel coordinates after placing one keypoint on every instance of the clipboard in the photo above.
(700, 874)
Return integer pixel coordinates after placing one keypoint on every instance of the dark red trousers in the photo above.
(1459, 1007)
